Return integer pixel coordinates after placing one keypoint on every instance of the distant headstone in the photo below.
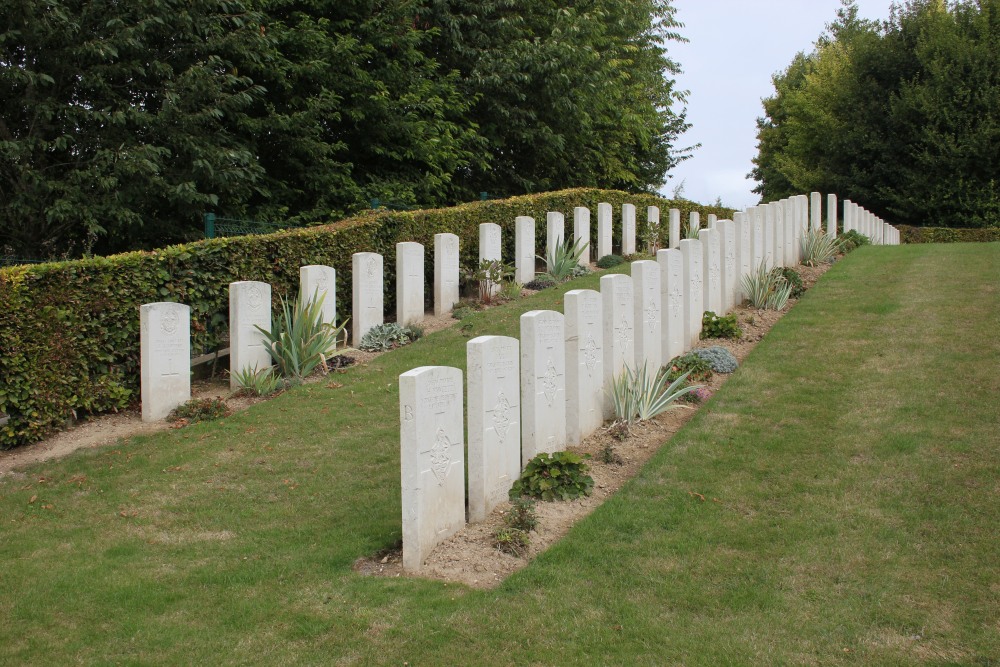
(524, 249)
(653, 223)
(409, 283)
(694, 297)
(675, 227)
(581, 232)
(672, 294)
(604, 213)
(711, 247)
(730, 266)
(791, 242)
(367, 284)
(831, 215)
(584, 364)
(758, 239)
(618, 330)
(768, 240)
(648, 314)
(555, 233)
(711, 220)
(494, 421)
(848, 208)
(744, 251)
(489, 247)
(543, 383)
(694, 224)
(320, 282)
(446, 273)
(164, 358)
(249, 308)
(628, 229)
(816, 211)
(432, 462)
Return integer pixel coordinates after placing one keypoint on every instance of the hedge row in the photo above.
(69, 334)
(947, 234)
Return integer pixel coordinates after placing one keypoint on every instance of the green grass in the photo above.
(850, 470)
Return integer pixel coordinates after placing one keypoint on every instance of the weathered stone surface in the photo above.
(432, 462)
(409, 283)
(581, 232)
(712, 259)
(584, 364)
(494, 399)
(604, 223)
(317, 281)
(618, 330)
(249, 308)
(543, 383)
(367, 284)
(524, 249)
(446, 273)
(674, 335)
(831, 215)
(164, 358)
(555, 233)
(730, 269)
(675, 227)
(694, 296)
(648, 314)
(628, 229)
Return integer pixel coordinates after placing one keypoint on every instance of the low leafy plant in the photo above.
(851, 240)
(697, 396)
(564, 258)
(387, 337)
(794, 279)
(513, 541)
(581, 270)
(541, 281)
(262, 382)
(716, 326)
(690, 364)
(199, 410)
(609, 261)
(719, 358)
(640, 395)
(523, 514)
(766, 288)
(488, 275)
(609, 455)
(559, 476)
(299, 340)
(462, 312)
(510, 290)
(818, 248)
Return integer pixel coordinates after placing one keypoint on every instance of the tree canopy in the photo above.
(122, 123)
(902, 116)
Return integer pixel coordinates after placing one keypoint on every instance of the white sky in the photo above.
(735, 46)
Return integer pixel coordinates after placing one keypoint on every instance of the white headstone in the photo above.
(367, 284)
(711, 219)
(848, 207)
(790, 243)
(672, 294)
(543, 383)
(730, 265)
(675, 227)
(694, 224)
(628, 229)
(618, 330)
(581, 232)
(711, 248)
(494, 421)
(524, 249)
(584, 364)
(555, 233)
(604, 213)
(249, 308)
(653, 225)
(164, 358)
(648, 314)
(816, 211)
(694, 297)
(432, 462)
(320, 282)
(409, 283)
(768, 240)
(782, 212)
(831, 215)
(489, 247)
(446, 273)
(758, 247)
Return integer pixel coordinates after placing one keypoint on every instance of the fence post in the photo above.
(375, 204)
(209, 225)
(483, 196)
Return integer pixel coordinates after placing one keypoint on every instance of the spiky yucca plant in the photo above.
(818, 248)
(766, 288)
(564, 258)
(300, 340)
(641, 395)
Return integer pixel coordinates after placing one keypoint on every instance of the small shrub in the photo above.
(818, 248)
(200, 410)
(609, 455)
(541, 281)
(698, 396)
(609, 261)
(766, 288)
(696, 368)
(581, 270)
(488, 276)
(719, 358)
(564, 258)
(513, 541)
(387, 337)
(559, 476)
(462, 312)
(714, 326)
(263, 382)
(510, 290)
(848, 241)
(523, 514)
(639, 396)
(794, 279)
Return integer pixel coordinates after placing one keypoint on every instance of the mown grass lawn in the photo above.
(850, 470)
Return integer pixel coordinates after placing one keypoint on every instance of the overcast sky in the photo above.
(735, 46)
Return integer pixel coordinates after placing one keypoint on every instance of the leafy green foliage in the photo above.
(944, 235)
(522, 515)
(690, 364)
(714, 326)
(818, 248)
(909, 105)
(559, 476)
(488, 276)
(767, 289)
(542, 281)
(386, 336)
(641, 395)
(564, 259)
(199, 410)
(719, 358)
(608, 454)
(851, 240)
(610, 261)
(259, 382)
(299, 340)
(793, 278)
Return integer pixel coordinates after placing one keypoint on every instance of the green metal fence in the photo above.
(216, 226)
(7, 260)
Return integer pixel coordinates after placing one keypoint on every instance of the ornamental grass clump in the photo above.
(640, 395)
(564, 258)
(818, 248)
(766, 289)
(299, 340)
(258, 382)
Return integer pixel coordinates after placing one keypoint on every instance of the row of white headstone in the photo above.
(165, 327)
(546, 390)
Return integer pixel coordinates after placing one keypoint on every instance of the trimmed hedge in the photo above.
(69, 333)
(909, 234)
